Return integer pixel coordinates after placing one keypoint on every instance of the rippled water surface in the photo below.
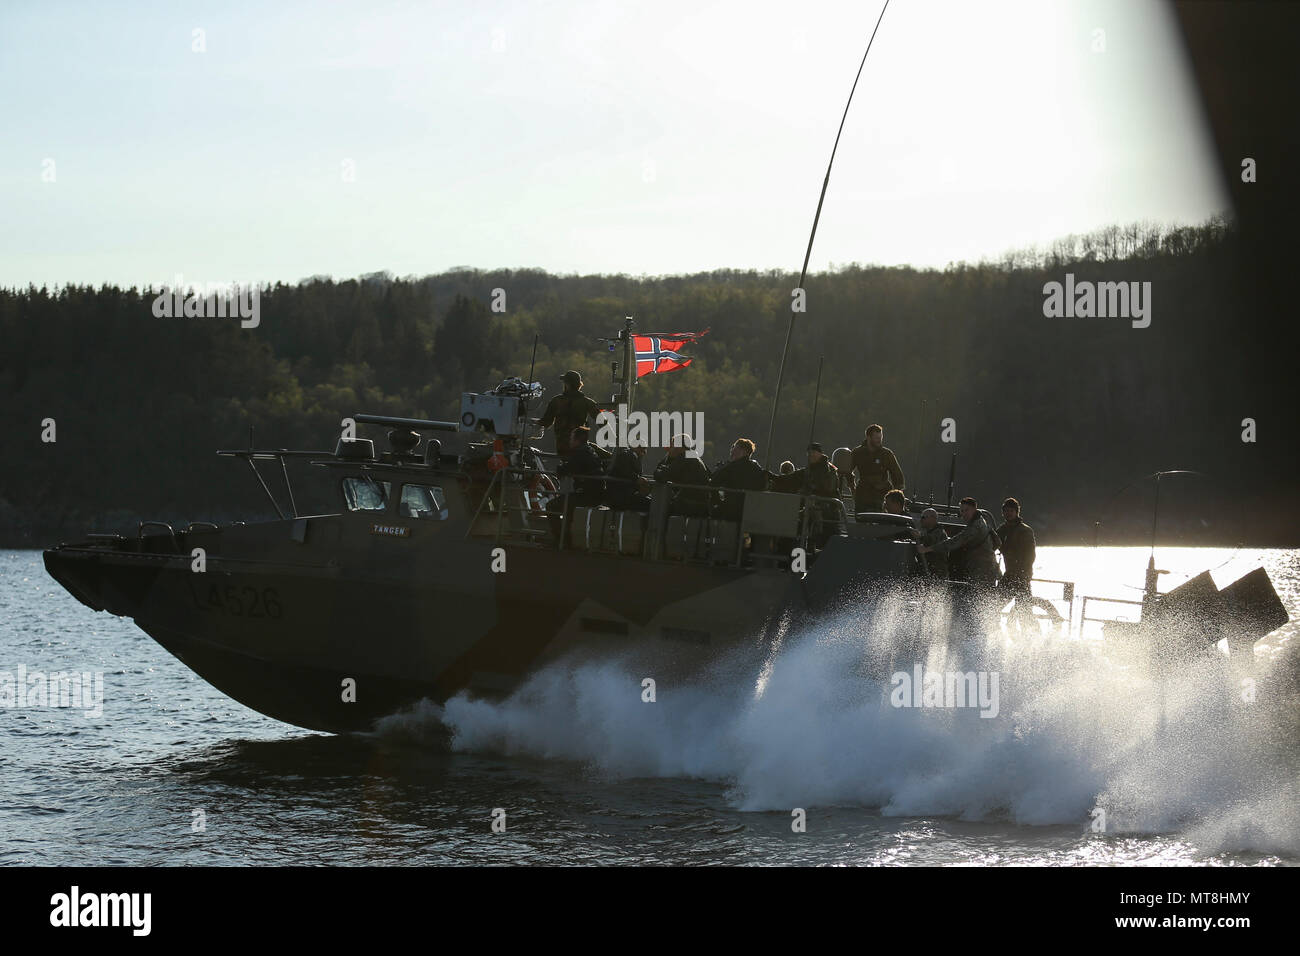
(588, 773)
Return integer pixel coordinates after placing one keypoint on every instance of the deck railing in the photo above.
(510, 494)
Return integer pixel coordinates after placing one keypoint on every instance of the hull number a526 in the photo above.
(244, 601)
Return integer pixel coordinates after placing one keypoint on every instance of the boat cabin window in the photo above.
(423, 501)
(366, 494)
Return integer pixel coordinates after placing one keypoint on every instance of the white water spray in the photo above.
(1079, 726)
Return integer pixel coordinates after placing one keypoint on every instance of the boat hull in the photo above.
(332, 645)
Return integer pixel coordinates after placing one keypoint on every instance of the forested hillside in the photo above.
(1061, 412)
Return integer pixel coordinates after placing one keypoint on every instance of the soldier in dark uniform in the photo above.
(974, 543)
(567, 411)
(822, 479)
(584, 464)
(972, 559)
(934, 563)
(1018, 550)
(587, 469)
(631, 492)
(895, 502)
(789, 481)
(739, 474)
(683, 469)
(876, 468)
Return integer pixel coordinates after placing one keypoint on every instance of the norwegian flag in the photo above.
(658, 353)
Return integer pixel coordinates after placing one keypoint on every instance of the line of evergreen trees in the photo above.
(1061, 413)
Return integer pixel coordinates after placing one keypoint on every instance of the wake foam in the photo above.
(1079, 727)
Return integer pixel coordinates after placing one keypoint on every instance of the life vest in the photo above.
(498, 459)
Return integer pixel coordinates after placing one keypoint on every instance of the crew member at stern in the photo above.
(975, 544)
(1018, 548)
(934, 562)
(1019, 551)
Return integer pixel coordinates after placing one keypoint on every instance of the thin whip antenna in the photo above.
(916, 459)
(812, 429)
(803, 274)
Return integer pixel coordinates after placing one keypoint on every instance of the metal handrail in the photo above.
(1067, 592)
(487, 494)
(808, 515)
(1083, 615)
(139, 534)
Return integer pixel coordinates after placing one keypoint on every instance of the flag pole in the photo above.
(532, 369)
(629, 363)
(803, 274)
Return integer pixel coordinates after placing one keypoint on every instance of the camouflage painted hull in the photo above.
(286, 613)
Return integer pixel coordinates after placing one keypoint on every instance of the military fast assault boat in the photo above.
(441, 572)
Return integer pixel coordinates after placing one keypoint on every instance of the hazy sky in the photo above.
(653, 137)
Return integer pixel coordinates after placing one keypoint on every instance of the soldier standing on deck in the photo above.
(877, 470)
(568, 411)
(1018, 550)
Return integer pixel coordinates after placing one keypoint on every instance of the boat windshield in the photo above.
(423, 501)
(366, 494)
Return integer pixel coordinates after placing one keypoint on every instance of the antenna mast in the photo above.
(803, 274)
(812, 431)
